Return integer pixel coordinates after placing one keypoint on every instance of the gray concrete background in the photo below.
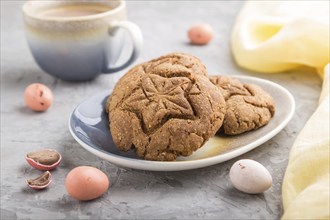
(134, 194)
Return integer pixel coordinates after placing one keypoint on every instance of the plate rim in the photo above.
(149, 165)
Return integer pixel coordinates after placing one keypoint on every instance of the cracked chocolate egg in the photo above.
(44, 159)
(40, 182)
(249, 107)
(38, 97)
(165, 108)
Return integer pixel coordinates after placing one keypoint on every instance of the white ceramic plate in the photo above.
(89, 126)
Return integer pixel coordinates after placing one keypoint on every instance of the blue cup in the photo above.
(77, 41)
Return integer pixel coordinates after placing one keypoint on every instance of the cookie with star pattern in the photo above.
(165, 108)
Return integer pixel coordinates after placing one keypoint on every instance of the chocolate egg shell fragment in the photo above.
(45, 159)
(40, 182)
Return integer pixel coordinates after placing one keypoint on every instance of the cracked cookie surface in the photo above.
(248, 106)
(165, 108)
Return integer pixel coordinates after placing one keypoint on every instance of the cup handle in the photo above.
(137, 39)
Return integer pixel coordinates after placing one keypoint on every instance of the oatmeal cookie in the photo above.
(165, 108)
(248, 107)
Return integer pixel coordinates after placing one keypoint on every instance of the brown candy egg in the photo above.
(38, 97)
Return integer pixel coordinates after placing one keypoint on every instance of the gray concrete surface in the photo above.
(134, 194)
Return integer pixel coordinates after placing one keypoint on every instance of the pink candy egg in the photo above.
(200, 34)
(38, 97)
(86, 183)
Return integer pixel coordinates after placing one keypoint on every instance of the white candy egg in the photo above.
(249, 176)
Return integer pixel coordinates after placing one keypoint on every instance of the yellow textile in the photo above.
(306, 183)
(276, 36)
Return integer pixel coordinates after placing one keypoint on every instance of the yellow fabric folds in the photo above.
(306, 183)
(276, 36)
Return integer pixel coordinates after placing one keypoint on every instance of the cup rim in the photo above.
(28, 13)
